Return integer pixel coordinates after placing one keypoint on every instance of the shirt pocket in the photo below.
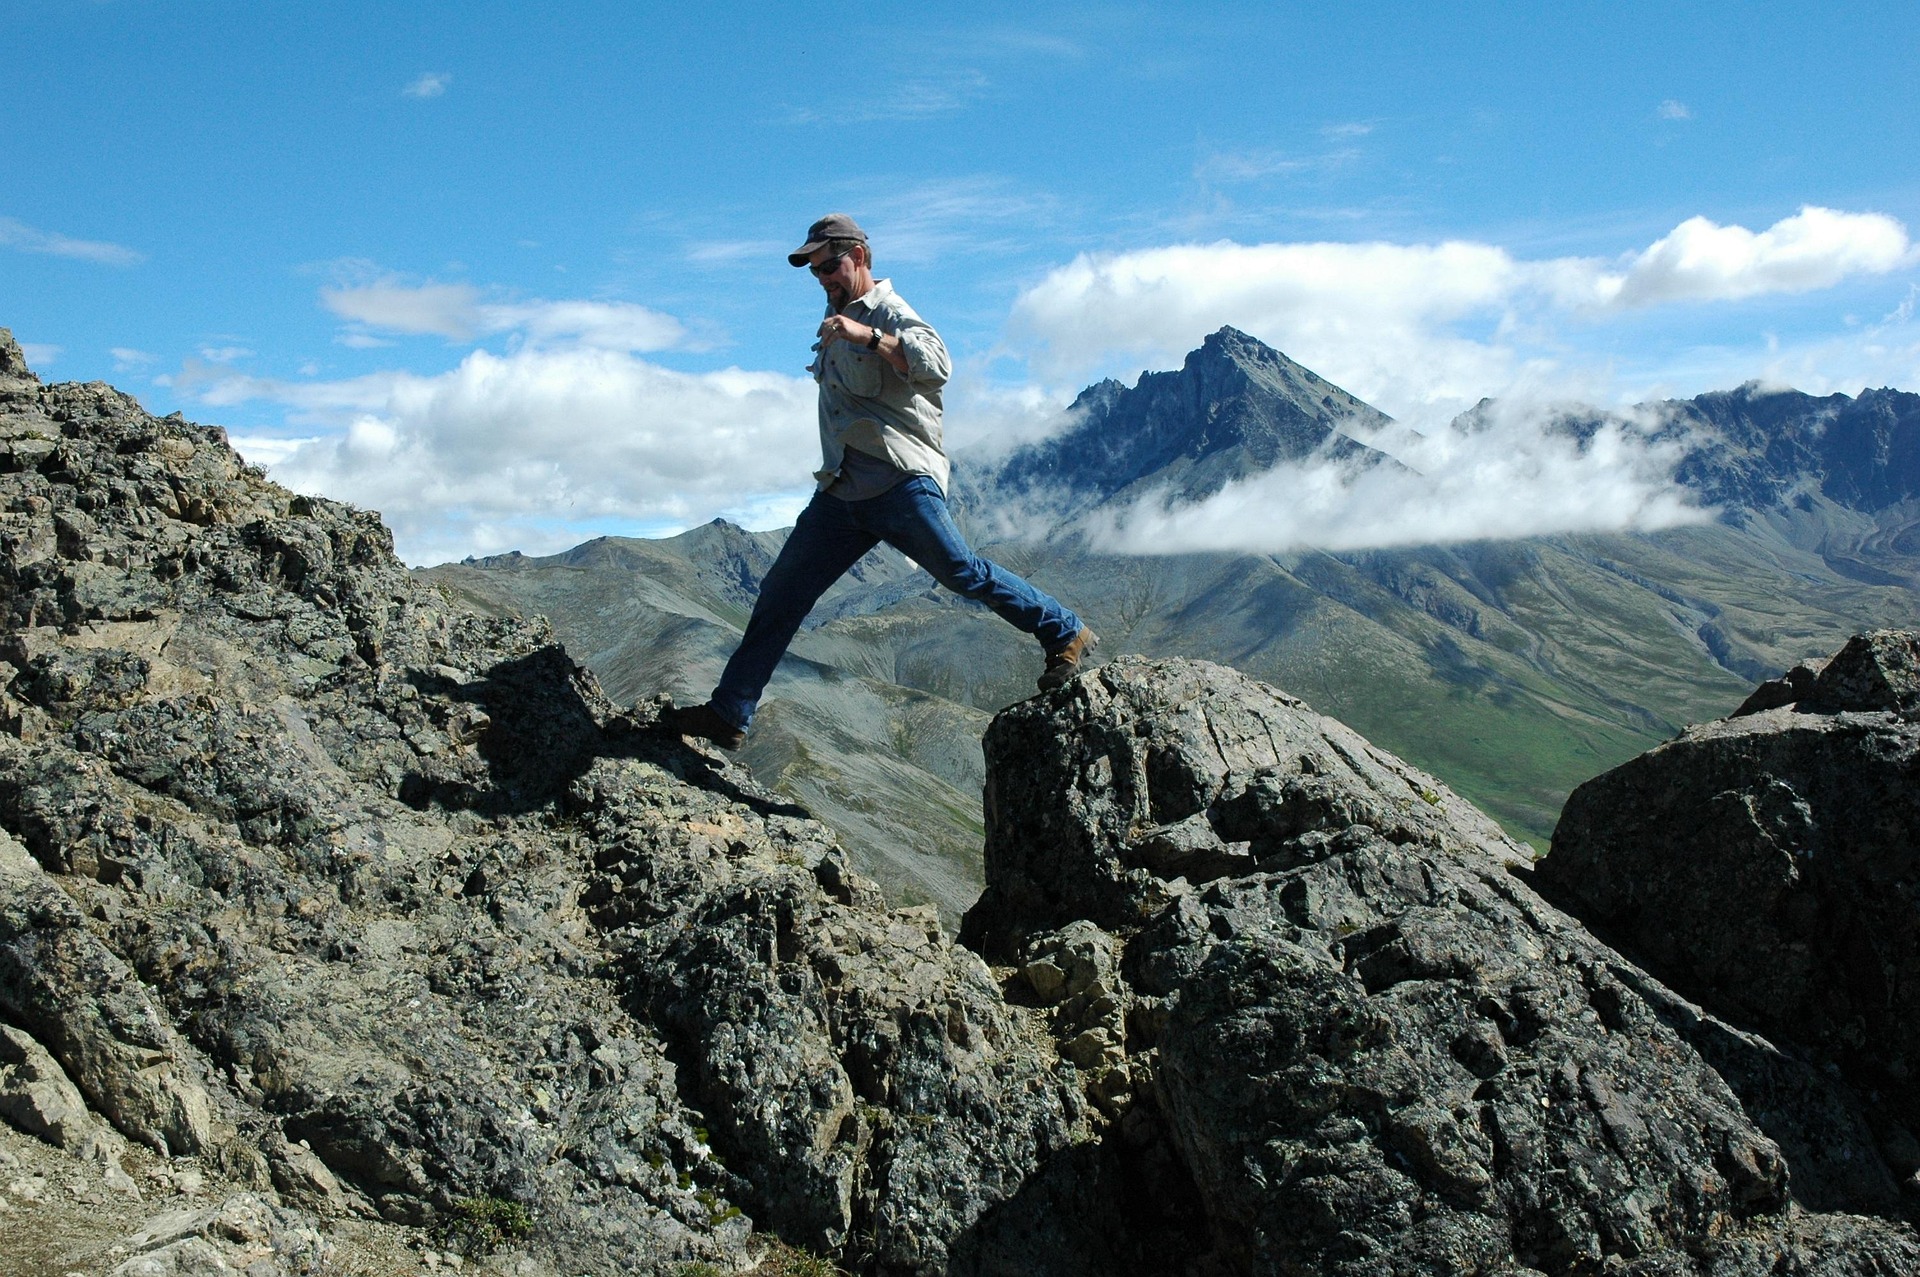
(859, 372)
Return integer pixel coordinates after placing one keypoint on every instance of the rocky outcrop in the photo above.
(1766, 867)
(1308, 977)
(379, 906)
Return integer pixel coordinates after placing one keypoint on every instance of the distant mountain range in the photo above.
(1513, 669)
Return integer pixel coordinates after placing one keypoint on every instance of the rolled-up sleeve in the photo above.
(928, 363)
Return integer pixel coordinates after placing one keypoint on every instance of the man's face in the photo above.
(846, 280)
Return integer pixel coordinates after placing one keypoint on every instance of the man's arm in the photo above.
(853, 332)
(915, 352)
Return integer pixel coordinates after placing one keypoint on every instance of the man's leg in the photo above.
(913, 519)
(825, 542)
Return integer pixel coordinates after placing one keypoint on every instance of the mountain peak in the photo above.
(1229, 342)
(1235, 406)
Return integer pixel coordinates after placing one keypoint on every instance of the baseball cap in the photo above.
(832, 226)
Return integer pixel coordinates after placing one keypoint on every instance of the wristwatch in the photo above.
(873, 342)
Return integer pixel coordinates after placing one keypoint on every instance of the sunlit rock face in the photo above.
(1317, 982)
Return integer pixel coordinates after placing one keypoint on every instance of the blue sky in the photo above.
(515, 275)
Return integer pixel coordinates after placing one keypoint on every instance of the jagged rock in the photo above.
(36, 1094)
(77, 996)
(1774, 692)
(1764, 866)
(1086, 795)
(15, 376)
(242, 1235)
(381, 905)
(1377, 1052)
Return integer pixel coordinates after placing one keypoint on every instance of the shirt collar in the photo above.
(870, 299)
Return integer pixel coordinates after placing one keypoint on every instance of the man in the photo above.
(883, 477)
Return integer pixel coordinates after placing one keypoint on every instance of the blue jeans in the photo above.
(830, 536)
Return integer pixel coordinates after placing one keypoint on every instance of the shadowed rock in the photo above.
(1765, 866)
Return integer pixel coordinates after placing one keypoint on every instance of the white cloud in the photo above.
(1674, 109)
(268, 450)
(459, 312)
(29, 239)
(985, 422)
(955, 217)
(1414, 327)
(1815, 248)
(450, 310)
(224, 354)
(1371, 317)
(430, 84)
(730, 252)
(127, 359)
(1251, 166)
(1514, 475)
(917, 98)
(539, 449)
(39, 354)
(356, 339)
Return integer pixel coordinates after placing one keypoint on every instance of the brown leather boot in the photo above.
(704, 722)
(1064, 663)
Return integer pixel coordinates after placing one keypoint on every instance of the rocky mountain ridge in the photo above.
(1234, 408)
(317, 883)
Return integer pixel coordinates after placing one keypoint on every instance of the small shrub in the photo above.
(481, 1225)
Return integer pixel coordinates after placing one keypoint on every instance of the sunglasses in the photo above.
(823, 269)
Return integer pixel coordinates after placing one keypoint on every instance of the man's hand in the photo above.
(840, 328)
(853, 332)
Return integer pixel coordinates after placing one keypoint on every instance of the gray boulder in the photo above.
(1359, 1043)
(1765, 866)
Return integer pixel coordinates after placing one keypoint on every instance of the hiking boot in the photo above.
(705, 723)
(1064, 663)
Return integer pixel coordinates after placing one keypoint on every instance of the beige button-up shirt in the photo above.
(866, 404)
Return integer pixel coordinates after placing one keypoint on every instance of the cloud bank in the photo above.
(1517, 472)
(573, 432)
(540, 449)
